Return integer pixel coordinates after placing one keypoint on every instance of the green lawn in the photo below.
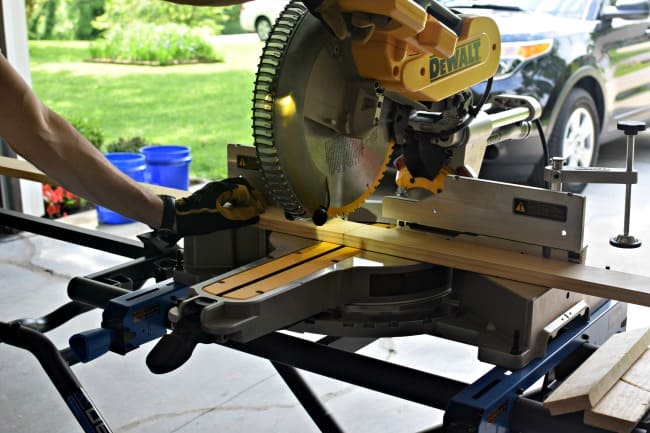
(202, 106)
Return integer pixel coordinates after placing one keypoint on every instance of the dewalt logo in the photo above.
(466, 55)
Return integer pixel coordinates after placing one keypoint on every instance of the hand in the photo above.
(219, 205)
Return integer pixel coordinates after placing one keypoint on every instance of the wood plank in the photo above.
(463, 254)
(441, 250)
(639, 373)
(274, 266)
(22, 169)
(596, 376)
(620, 410)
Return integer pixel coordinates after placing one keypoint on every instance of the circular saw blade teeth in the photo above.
(263, 108)
(288, 155)
(370, 188)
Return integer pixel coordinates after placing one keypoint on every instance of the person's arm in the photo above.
(53, 145)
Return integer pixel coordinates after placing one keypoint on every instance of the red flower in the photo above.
(57, 195)
(53, 209)
(59, 200)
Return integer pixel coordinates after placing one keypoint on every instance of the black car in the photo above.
(586, 61)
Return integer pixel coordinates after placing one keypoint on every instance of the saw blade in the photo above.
(320, 130)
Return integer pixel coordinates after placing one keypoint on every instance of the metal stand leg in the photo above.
(321, 417)
(59, 373)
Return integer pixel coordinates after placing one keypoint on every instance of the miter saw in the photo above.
(347, 88)
(346, 91)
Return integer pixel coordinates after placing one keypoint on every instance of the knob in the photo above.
(631, 127)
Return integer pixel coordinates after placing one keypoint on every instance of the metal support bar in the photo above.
(309, 401)
(76, 235)
(392, 379)
(556, 172)
(56, 318)
(59, 373)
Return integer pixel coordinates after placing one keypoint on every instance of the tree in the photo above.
(122, 12)
(87, 12)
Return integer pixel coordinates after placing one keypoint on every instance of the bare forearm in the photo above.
(67, 157)
(52, 144)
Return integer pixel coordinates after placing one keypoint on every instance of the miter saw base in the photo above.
(361, 294)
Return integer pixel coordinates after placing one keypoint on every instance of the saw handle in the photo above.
(175, 348)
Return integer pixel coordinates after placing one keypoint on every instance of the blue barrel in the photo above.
(168, 165)
(134, 166)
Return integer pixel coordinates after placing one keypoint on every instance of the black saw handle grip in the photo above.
(175, 348)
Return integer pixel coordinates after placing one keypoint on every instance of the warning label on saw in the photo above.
(247, 162)
(540, 209)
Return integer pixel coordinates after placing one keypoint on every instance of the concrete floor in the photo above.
(222, 390)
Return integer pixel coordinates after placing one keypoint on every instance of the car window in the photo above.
(577, 9)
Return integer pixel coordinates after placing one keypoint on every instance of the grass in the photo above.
(203, 106)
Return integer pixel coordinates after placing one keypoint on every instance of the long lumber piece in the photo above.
(462, 254)
(597, 375)
(443, 250)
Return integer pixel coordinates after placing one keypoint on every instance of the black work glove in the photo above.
(219, 205)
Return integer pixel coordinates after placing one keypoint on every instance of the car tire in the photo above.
(263, 28)
(575, 135)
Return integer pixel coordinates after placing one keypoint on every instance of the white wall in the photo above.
(15, 25)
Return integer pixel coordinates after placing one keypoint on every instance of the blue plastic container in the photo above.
(131, 164)
(168, 165)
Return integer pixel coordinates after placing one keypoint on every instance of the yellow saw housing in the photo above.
(416, 55)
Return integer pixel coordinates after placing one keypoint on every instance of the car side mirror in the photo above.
(627, 10)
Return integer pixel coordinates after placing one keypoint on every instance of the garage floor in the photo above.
(222, 390)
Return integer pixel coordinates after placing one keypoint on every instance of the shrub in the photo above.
(156, 44)
(125, 12)
(132, 144)
(88, 130)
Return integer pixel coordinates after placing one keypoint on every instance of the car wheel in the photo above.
(263, 28)
(575, 135)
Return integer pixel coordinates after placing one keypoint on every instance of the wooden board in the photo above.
(639, 373)
(441, 250)
(22, 169)
(19, 168)
(622, 408)
(597, 375)
(463, 254)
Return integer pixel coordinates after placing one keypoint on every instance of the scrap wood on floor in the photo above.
(612, 386)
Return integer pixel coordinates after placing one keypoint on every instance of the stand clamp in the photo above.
(625, 240)
(556, 174)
